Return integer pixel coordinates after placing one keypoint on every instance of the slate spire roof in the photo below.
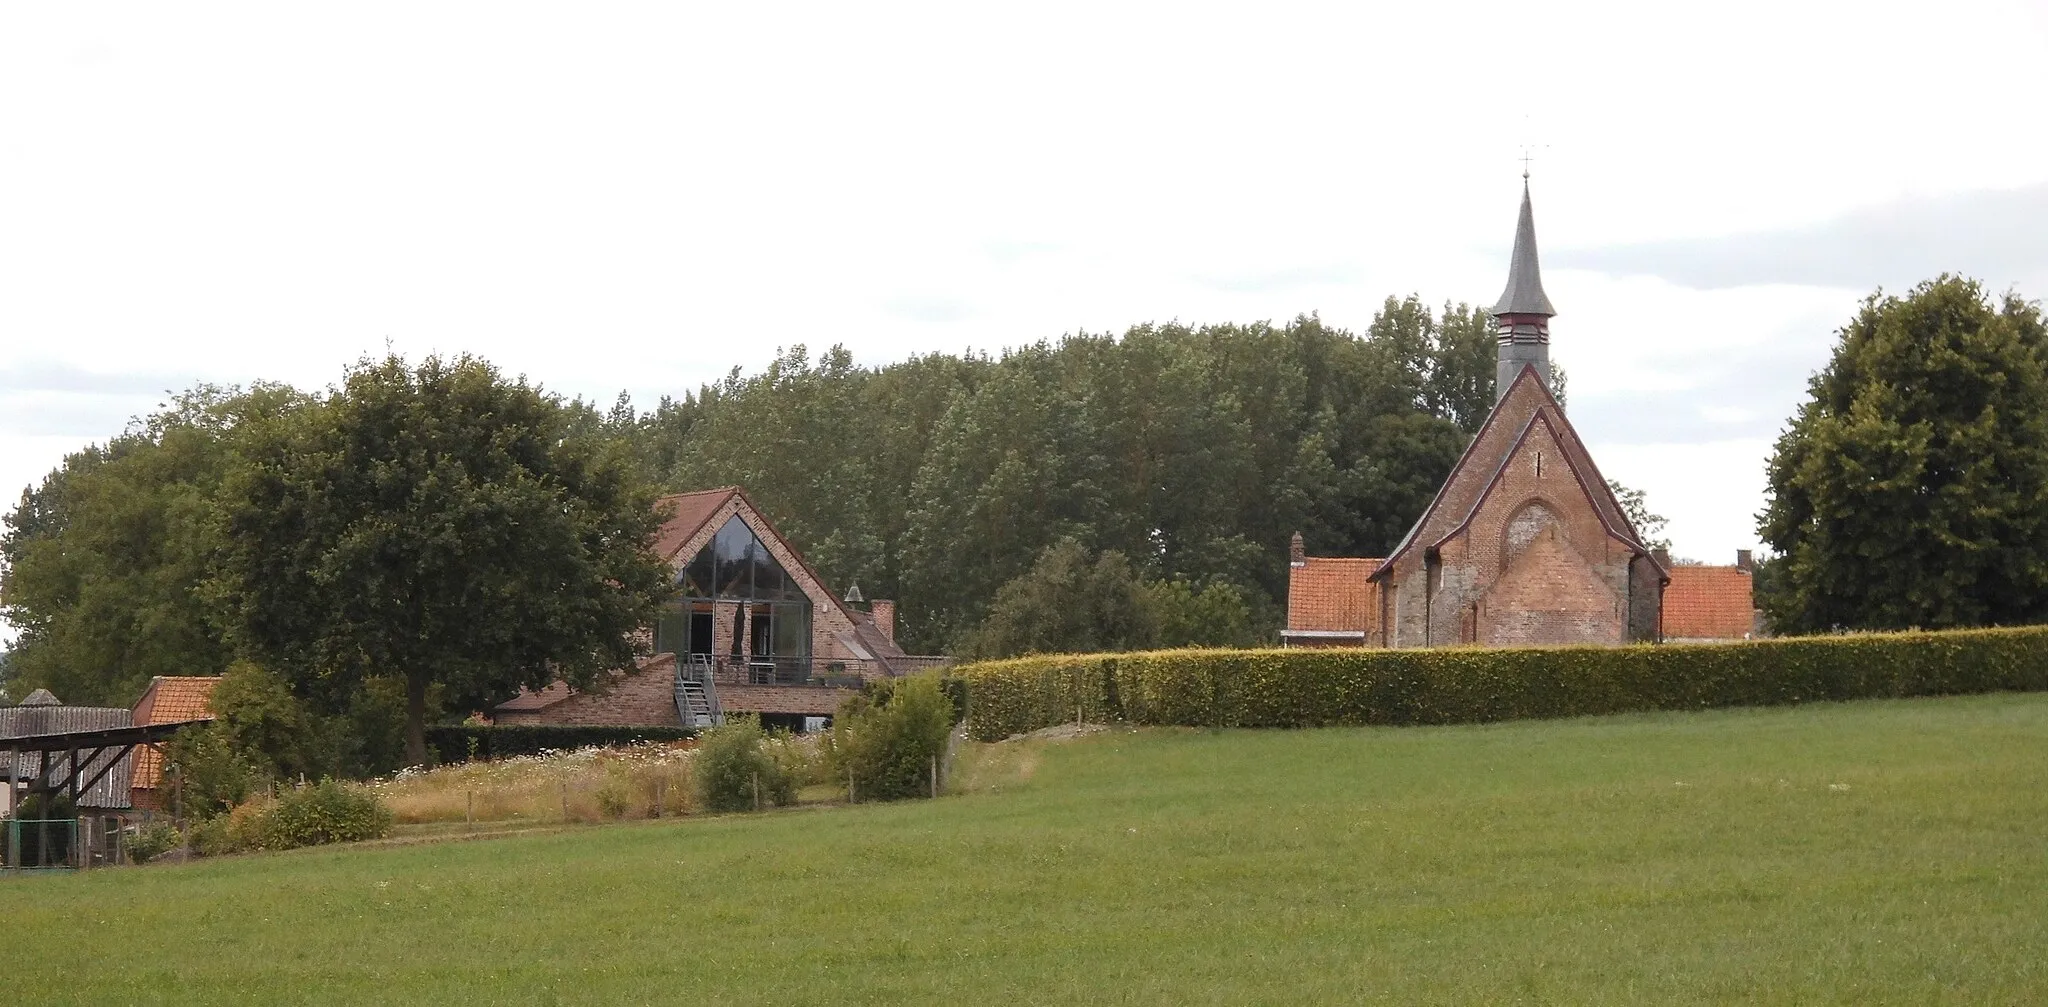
(1524, 295)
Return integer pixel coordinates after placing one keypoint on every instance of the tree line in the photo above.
(433, 536)
(401, 535)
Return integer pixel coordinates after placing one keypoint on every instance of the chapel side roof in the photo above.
(1708, 603)
(1524, 294)
(1484, 460)
(168, 700)
(1327, 593)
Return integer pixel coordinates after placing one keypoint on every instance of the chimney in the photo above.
(1662, 556)
(884, 614)
(1744, 561)
(1297, 555)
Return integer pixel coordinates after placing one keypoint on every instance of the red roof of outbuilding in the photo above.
(1326, 594)
(1708, 603)
(168, 700)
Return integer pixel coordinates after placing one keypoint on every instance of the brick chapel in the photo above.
(1523, 544)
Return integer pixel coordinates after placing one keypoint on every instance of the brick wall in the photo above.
(1525, 555)
(643, 698)
(1550, 595)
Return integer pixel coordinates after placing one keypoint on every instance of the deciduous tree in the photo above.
(1912, 487)
(441, 524)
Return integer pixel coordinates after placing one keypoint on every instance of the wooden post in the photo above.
(660, 796)
(563, 786)
(469, 810)
(849, 785)
(935, 776)
(757, 791)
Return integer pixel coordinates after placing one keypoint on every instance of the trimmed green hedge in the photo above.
(452, 743)
(1313, 688)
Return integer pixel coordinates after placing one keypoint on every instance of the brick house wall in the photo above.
(645, 695)
(829, 621)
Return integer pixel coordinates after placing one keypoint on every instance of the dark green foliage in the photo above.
(1912, 487)
(1314, 688)
(1193, 453)
(46, 806)
(103, 560)
(208, 773)
(1649, 527)
(451, 744)
(443, 525)
(891, 739)
(324, 812)
(734, 773)
(1217, 614)
(1068, 602)
(260, 719)
(152, 841)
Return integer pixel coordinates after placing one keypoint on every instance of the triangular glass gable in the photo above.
(736, 566)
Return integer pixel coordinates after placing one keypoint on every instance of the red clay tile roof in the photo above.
(1327, 594)
(691, 511)
(168, 700)
(1708, 603)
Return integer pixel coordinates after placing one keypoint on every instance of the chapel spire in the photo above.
(1522, 315)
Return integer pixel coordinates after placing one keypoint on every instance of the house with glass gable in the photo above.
(751, 629)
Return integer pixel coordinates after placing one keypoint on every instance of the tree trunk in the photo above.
(415, 719)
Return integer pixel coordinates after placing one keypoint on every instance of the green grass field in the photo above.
(1869, 852)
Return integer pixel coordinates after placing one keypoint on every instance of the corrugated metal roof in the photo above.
(112, 789)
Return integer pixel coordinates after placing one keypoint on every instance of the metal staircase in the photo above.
(697, 692)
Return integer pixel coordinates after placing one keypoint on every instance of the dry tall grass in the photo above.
(586, 785)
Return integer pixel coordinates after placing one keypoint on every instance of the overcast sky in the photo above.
(608, 197)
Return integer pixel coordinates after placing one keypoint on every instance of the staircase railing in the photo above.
(698, 670)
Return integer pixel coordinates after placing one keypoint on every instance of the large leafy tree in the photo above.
(104, 559)
(442, 525)
(1912, 487)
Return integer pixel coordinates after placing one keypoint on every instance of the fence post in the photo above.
(757, 791)
(849, 785)
(469, 810)
(935, 776)
(660, 796)
(563, 786)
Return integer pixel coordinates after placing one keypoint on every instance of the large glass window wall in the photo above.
(737, 580)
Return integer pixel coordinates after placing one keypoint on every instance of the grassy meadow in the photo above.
(1890, 851)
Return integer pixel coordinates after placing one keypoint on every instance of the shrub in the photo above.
(1309, 688)
(456, 743)
(731, 763)
(326, 812)
(152, 841)
(890, 739)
